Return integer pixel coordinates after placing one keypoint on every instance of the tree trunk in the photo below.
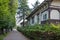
(2, 31)
(23, 18)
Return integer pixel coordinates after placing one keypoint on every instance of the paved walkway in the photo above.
(15, 35)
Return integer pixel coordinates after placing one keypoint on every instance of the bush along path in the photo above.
(41, 32)
(2, 36)
(15, 35)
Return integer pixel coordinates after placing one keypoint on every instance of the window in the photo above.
(32, 20)
(45, 17)
(37, 18)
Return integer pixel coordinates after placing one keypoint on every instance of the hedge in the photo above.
(41, 32)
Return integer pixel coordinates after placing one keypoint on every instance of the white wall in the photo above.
(54, 14)
(46, 12)
(40, 18)
(31, 21)
(35, 19)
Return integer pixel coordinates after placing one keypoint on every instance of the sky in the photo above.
(30, 2)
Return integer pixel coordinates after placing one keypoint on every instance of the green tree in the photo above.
(7, 14)
(13, 7)
(3, 13)
(36, 4)
(24, 9)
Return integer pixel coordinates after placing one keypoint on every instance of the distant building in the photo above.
(47, 12)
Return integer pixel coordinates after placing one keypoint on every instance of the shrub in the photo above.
(41, 32)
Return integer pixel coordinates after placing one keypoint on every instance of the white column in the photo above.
(40, 18)
(35, 19)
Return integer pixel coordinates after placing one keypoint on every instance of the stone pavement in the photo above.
(15, 35)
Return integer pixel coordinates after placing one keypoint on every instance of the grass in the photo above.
(3, 36)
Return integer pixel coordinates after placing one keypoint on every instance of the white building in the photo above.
(47, 12)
